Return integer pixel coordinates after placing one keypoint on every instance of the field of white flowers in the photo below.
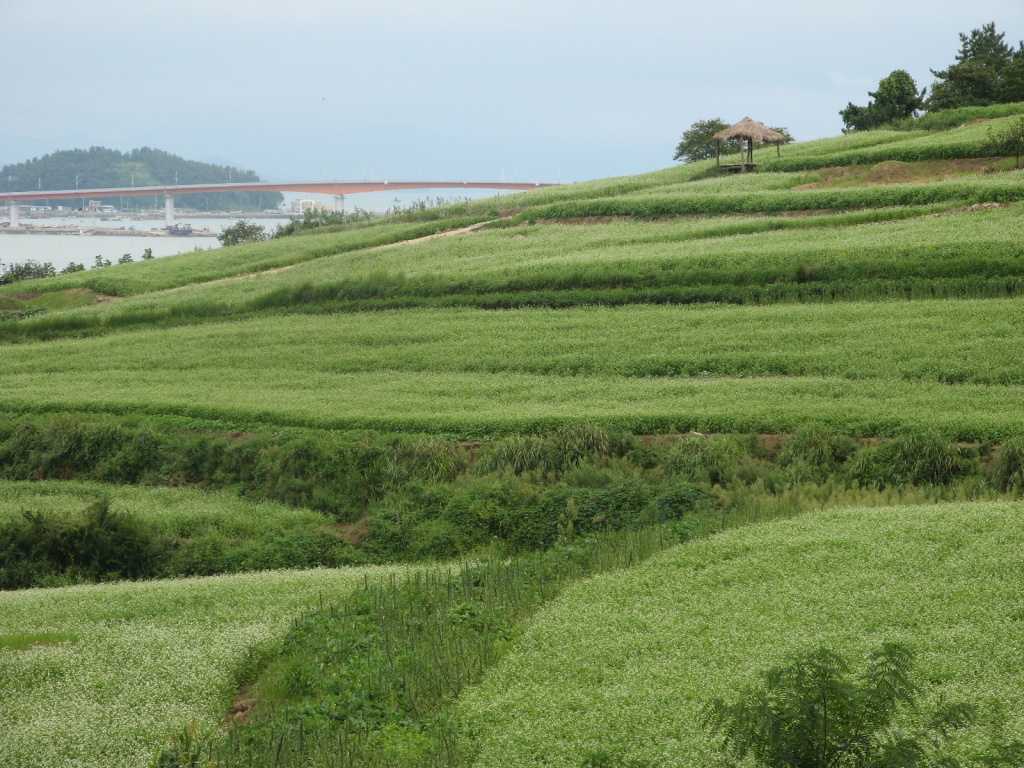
(623, 664)
(148, 658)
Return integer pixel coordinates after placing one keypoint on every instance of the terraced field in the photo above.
(363, 370)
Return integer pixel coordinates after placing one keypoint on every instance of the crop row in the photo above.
(862, 368)
(1002, 188)
(962, 342)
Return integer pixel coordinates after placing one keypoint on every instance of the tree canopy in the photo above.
(986, 71)
(897, 98)
(242, 232)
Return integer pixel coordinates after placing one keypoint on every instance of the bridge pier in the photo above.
(12, 212)
(339, 203)
(169, 210)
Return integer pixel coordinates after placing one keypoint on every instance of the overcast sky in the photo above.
(526, 90)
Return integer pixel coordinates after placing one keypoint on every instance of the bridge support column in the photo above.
(12, 212)
(169, 210)
(339, 203)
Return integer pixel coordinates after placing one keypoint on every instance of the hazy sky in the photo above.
(538, 90)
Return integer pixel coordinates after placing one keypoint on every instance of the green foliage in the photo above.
(817, 445)
(29, 270)
(557, 452)
(987, 71)
(707, 459)
(313, 219)
(918, 458)
(103, 544)
(897, 98)
(814, 712)
(242, 232)
(697, 142)
(1008, 464)
(1008, 141)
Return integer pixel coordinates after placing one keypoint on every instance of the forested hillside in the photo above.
(100, 168)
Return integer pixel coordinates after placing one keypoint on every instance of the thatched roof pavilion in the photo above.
(751, 131)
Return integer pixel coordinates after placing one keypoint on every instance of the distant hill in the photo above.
(99, 167)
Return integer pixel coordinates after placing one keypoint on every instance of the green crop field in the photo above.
(123, 667)
(489, 376)
(623, 664)
(478, 373)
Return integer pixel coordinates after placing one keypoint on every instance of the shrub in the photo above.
(814, 712)
(680, 500)
(922, 458)
(1008, 464)
(707, 459)
(557, 452)
(102, 545)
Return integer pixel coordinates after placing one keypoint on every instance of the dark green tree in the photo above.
(697, 142)
(242, 232)
(815, 713)
(897, 98)
(30, 270)
(986, 71)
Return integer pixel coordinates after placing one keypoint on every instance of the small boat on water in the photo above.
(179, 229)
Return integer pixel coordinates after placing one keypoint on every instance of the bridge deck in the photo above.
(312, 187)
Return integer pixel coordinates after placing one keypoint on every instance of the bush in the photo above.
(103, 545)
(814, 712)
(679, 500)
(707, 459)
(557, 452)
(924, 458)
(1007, 467)
(242, 232)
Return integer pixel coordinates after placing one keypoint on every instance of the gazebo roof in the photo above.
(750, 129)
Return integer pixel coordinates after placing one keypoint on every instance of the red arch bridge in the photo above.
(336, 188)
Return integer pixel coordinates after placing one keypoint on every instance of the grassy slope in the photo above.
(867, 368)
(862, 367)
(623, 663)
(149, 658)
